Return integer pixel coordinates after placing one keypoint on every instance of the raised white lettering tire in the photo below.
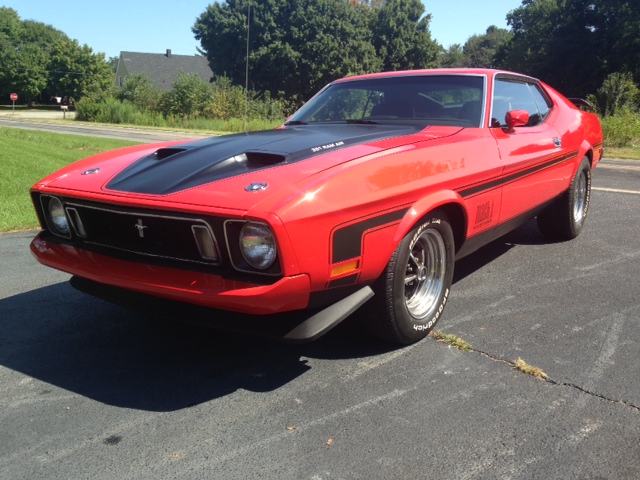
(414, 289)
(565, 217)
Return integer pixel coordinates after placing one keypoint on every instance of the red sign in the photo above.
(13, 96)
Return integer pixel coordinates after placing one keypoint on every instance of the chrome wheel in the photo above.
(426, 268)
(580, 197)
(564, 218)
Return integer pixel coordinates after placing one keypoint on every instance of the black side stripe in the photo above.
(347, 241)
(467, 192)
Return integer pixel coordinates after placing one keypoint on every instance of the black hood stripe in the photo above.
(173, 169)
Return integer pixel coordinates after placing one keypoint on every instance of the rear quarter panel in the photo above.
(579, 130)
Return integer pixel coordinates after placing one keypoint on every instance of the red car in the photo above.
(364, 197)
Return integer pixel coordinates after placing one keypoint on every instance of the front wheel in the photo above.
(564, 218)
(413, 291)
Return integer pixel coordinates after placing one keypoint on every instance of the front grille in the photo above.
(145, 233)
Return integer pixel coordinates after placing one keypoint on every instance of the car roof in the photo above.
(436, 71)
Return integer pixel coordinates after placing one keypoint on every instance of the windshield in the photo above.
(454, 100)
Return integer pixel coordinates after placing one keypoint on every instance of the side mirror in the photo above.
(516, 118)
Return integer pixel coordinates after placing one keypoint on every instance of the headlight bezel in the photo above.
(235, 231)
(57, 220)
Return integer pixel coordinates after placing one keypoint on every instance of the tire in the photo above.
(414, 289)
(564, 218)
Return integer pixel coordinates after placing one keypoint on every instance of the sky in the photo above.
(153, 26)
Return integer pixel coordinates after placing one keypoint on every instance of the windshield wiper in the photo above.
(361, 122)
(295, 122)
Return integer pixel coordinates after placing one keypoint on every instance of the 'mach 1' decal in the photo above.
(484, 214)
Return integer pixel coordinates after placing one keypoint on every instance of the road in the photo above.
(90, 390)
(43, 121)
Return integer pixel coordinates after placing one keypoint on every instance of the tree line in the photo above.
(40, 62)
(291, 48)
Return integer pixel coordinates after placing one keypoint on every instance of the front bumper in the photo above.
(198, 288)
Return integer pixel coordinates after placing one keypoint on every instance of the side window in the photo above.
(513, 95)
(543, 103)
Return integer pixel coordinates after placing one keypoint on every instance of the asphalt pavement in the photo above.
(89, 390)
(53, 121)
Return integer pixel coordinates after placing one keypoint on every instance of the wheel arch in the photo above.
(449, 202)
(586, 150)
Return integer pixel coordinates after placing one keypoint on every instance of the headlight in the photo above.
(257, 245)
(58, 217)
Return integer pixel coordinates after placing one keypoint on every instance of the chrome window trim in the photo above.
(441, 73)
(530, 82)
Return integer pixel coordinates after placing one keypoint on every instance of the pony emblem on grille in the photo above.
(140, 228)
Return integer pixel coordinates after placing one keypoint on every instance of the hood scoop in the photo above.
(264, 158)
(163, 153)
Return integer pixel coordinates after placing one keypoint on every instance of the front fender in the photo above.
(448, 199)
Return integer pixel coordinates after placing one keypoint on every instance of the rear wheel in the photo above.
(412, 293)
(564, 218)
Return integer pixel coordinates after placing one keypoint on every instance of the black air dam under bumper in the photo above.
(294, 327)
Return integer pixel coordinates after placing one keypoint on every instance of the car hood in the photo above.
(216, 174)
(174, 169)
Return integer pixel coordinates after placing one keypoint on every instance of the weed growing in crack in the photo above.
(524, 367)
(451, 339)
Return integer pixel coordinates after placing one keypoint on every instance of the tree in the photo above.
(16, 63)
(40, 61)
(24, 71)
(77, 72)
(574, 44)
(619, 22)
(298, 46)
(189, 97)
(480, 50)
(402, 37)
(10, 24)
(453, 57)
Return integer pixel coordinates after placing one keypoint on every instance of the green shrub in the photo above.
(87, 110)
(622, 129)
(617, 93)
(140, 90)
(189, 97)
(191, 104)
(230, 101)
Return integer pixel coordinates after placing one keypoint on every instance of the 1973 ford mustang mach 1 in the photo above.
(365, 197)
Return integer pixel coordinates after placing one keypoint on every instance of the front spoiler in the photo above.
(293, 327)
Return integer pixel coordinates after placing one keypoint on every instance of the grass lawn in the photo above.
(629, 153)
(27, 156)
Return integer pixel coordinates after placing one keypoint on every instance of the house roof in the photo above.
(162, 68)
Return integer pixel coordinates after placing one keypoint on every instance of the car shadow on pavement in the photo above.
(527, 234)
(116, 356)
(113, 355)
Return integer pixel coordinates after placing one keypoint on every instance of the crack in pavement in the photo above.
(550, 380)
(561, 384)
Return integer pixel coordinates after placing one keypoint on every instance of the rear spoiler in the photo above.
(582, 104)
